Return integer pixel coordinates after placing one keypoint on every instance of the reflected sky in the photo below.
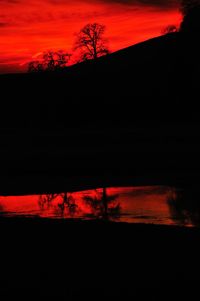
(148, 205)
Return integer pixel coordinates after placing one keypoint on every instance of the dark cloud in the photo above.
(157, 3)
(162, 4)
(3, 24)
(10, 1)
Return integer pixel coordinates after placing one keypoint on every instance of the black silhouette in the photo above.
(170, 29)
(51, 61)
(184, 206)
(69, 204)
(35, 66)
(129, 117)
(45, 201)
(191, 17)
(66, 204)
(91, 42)
(104, 206)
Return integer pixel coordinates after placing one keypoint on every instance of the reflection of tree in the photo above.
(68, 204)
(45, 201)
(184, 206)
(102, 205)
(1, 208)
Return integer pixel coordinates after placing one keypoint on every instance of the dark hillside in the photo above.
(130, 118)
(150, 80)
(133, 113)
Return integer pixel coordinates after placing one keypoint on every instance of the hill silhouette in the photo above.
(153, 77)
(131, 118)
(133, 113)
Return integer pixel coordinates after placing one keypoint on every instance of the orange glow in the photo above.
(28, 28)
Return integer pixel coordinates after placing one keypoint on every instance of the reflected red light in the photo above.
(137, 205)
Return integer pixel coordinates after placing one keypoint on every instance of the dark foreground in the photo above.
(39, 160)
(132, 114)
(139, 119)
(96, 259)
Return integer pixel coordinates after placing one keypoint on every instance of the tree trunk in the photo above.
(105, 203)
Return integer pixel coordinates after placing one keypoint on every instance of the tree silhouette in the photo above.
(51, 61)
(191, 16)
(91, 42)
(69, 203)
(102, 205)
(191, 21)
(45, 201)
(169, 29)
(35, 66)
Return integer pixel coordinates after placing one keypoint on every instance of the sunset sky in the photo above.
(29, 27)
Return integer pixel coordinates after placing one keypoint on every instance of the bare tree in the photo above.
(69, 203)
(103, 205)
(35, 66)
(91, 42)
(169, 29)
(51, 61)
(45, 201)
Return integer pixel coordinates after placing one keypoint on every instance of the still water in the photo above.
(153, 205)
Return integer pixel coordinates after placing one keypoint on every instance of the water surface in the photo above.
(151, 205)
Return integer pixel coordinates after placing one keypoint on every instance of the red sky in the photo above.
(29, 27)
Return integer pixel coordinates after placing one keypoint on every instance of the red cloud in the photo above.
(29, 28)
